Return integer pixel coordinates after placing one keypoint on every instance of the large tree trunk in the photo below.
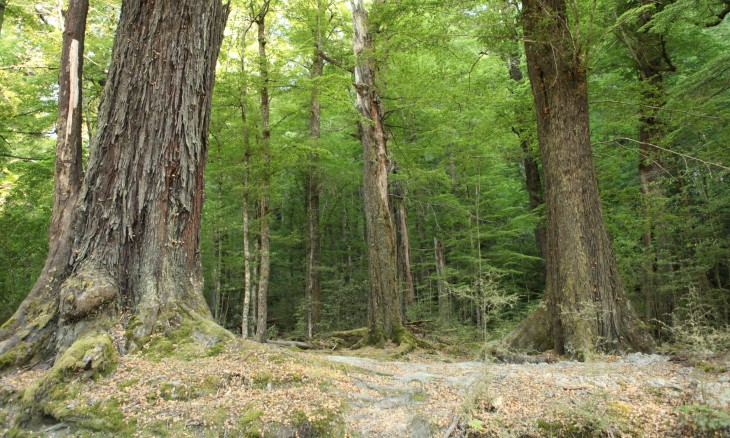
(312, 293)
(135, 259)
(264, 266)
(587, 307)
(384, 315)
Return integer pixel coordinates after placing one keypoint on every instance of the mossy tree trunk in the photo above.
(135, 259)
(586, 303)
(41, 305)
(384, 308)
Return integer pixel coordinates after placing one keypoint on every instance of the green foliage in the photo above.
(705, 421)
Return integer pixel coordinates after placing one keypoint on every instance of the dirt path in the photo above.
(635, 395)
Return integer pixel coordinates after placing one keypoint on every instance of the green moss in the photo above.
(193, 338)
(7, 323)
(87, 356)
(249, 423)
(419, 396)
(322, 423)
(215, 350)
(128, 383)
(262, 380)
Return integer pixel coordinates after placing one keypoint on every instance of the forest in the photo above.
(501, 179)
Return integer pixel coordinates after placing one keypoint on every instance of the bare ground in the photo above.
(251, 390)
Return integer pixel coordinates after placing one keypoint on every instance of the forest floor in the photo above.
(253, 390)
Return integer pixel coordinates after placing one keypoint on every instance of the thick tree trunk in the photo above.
(586, 303)
(312, 292)
(135, 258)
(384, 316)
(264, 267)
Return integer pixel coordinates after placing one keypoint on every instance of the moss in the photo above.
(419, 396)
(128, 383)
(250, 424)
(321, 423)
(192, 338)
(7, 323)
(262, 380)
(87, 356)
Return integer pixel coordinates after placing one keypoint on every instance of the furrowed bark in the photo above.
(587, 307)
(135, 257)
(36, 318)
(384, 316)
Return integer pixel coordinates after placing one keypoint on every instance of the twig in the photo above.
(685, 156)
(451, 428)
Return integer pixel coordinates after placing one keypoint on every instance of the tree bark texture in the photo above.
(313, 291)
(585, 298)
(246, 304)
(136, 247)
(384, 316)
(400, 216)
(68, 176)
(264, 266)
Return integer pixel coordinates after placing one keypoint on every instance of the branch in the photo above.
(22, 158)
(334, 62)
(685, 156)
(658, 108)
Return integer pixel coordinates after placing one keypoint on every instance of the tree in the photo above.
(384, 308)
(264, 266)
(587, 310)
(135, 258)
(2, 13)
(313, 187)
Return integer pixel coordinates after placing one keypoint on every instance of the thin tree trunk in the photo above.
(533, 182)
(442, 284)
(384, 317)
(264, 268)
(312, 294)
(400, 214)
(136, 245)
(587, 307)
(651, 62)
(68, 176)
(246, 305)
(2, 14)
